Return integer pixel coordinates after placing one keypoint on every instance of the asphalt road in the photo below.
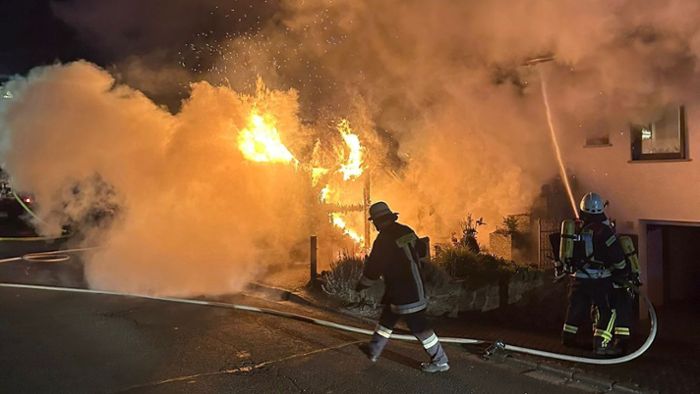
(81, 343)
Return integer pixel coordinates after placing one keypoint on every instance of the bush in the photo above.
(434, 276)
(475, 268)
(341, 280)
(344, 274)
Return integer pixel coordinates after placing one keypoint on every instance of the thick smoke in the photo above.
(446, 79)
(192, 215)
(452, 120)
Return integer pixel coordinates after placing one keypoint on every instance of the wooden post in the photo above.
(426, 241)
(313, 257)
(540, 250)
(366, 202)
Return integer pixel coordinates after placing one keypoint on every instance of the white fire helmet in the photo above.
(592, 203)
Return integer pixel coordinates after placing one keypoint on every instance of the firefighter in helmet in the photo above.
(591, 252)
(395, 256)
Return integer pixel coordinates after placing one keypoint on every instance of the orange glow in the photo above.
(260, 141)
(316, 174)
(339, 222)
(325, 193)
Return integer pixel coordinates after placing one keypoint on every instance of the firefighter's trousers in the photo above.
(583, 294)
(418, 324)
(624, 304)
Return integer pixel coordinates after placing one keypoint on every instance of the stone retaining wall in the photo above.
(457, 297)
(453, 297)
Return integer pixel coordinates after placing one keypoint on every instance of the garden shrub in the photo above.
(343, 276)
(477, 269)
(345, 272)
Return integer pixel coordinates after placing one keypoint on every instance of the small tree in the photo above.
(510, 224)
(469, 229)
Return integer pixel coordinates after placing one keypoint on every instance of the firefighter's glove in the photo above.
(635, 281)
(360, 286)
(634, 285)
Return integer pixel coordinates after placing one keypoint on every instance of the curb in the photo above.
(573, 376)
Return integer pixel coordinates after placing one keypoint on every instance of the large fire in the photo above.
(261, 142)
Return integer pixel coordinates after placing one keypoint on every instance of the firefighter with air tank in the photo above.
(594, 256)
(396, 257)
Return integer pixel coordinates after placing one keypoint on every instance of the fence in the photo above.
(546, 253)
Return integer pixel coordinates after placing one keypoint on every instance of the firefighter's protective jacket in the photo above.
(599, 251)
(395, 256)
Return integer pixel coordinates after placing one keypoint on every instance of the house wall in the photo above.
(642, 192)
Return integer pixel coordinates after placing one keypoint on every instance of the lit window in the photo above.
(664, 139)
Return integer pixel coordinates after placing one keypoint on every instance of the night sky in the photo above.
(33, 35)
(38, 32)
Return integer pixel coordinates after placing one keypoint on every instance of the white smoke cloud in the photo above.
(193, 216)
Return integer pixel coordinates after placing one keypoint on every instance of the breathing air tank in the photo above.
(630, 252)
(568, 236)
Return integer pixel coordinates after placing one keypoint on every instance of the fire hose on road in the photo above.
(496, 346)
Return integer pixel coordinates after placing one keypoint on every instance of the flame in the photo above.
(325, 193)
(260, 141)
(352, 168)
(351, 160)
(339, 222)
(316, 174)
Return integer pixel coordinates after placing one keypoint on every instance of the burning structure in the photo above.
(233, 183)
(328, 173)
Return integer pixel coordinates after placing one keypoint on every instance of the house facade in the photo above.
(651, 176)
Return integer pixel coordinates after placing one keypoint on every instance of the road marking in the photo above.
(192, 378)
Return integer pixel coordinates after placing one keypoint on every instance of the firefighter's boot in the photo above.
(434, 366)
(622, 344)
(603, 348)
(568, 335)
(376, 345)
(622, 338)
(432, 346)
(367, 350)
(569, 340)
